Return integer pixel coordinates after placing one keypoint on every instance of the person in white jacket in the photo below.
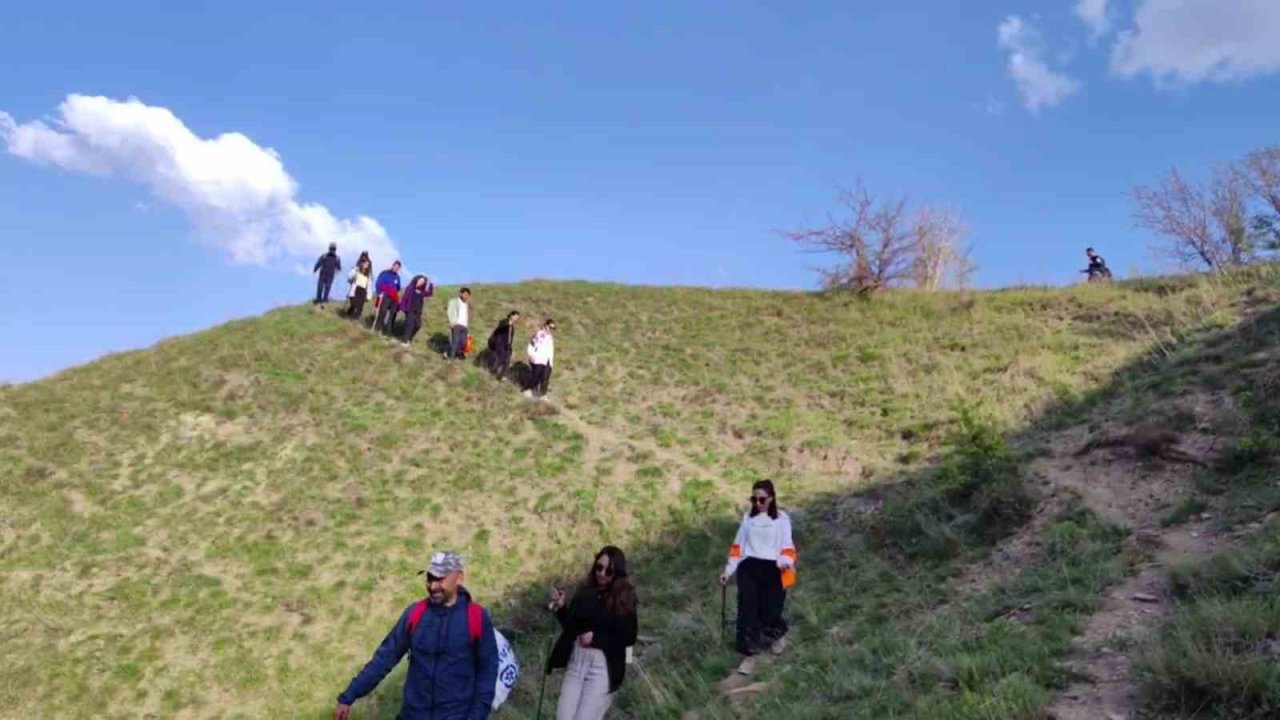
(763, 557)
(542, 354)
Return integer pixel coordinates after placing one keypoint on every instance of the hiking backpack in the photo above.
(508, 666)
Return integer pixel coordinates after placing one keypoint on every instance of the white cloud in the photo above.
(1196, 40)
(1094, 14)
(1039, 84)
(235, 192)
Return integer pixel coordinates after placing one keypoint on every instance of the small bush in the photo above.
(975, 498)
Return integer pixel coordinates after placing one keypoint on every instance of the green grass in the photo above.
(226, 524)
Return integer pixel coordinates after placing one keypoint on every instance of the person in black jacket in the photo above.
(328, 266)
(411, 302)
(500, 343)
(599, 625)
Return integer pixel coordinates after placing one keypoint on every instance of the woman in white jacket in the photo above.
(542, 354)
(763, 557)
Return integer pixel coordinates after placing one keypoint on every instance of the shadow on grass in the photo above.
(875, 631)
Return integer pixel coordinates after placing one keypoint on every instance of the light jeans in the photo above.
(584, 695)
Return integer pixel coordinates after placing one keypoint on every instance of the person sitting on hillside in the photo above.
(763, 557)
(359, 283)
(415, 296)
(599, 624)
(387, 288)
(328, 266)
(1097, 266)
(459, 312)
(453, 659)
(500, 344)
(542, 354)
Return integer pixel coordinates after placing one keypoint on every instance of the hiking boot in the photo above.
(779, 646)
(747, 666)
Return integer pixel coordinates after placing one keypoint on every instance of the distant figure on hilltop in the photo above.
(359, 282)
(500, 344)
(459, 312)
(328, 265)
(1097, 269)
(542, 354)
(415, 297)
(388, 298)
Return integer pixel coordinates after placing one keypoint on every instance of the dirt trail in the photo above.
(1124, 484)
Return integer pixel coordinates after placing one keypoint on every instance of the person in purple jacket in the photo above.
(411, 303)
(453, 654)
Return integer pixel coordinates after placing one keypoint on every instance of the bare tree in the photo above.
(1203, 225)
(1260, 173)
(882, 245)
(940, 261)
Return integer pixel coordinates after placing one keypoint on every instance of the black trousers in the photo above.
(387, 316)
(323, 285)
(500, 362)
(356, 310)
(540, 378)
(412, 324)
(760, 601)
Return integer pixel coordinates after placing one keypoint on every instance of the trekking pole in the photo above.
(724, 622)
(542, 691)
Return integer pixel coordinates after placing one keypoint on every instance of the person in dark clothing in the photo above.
(500, 344)
(1097, 266)
(387, 289)
(412, 302)
(599, 624)
(452, 673)
(328, 266)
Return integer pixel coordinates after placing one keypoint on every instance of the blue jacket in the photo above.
(448, 679)
(387, 278)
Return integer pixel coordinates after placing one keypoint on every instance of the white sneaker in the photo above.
(747, 666)
(778, 646)
(527, 393)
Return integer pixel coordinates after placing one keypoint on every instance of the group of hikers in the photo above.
(390, 300)
(454, 651)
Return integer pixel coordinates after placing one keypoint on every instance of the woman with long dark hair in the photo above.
(411, 303)
(500, 344)
(599, 624)
(763, 557)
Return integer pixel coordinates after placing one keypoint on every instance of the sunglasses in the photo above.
(604, 570)
(758, 499)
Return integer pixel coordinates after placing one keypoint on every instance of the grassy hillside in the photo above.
(225, 525)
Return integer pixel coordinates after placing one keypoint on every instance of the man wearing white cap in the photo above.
(453, 656)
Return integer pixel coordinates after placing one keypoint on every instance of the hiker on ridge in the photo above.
(328, 266)
(359, 282)
(763, 557)
(388, 297)
(500, 344)
(1097, 266)
(542, 354)
(459, 312)
(414, 297)
(599, 625)
(453, 655)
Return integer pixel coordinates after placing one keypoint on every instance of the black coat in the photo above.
(611, 633)
(328, 265)
(501, 339)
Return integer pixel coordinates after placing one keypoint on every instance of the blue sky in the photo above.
(652, 143)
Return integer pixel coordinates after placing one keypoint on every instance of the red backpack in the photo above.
(475, 619)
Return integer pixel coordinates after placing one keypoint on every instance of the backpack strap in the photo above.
(475, 621)
(415, 615)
